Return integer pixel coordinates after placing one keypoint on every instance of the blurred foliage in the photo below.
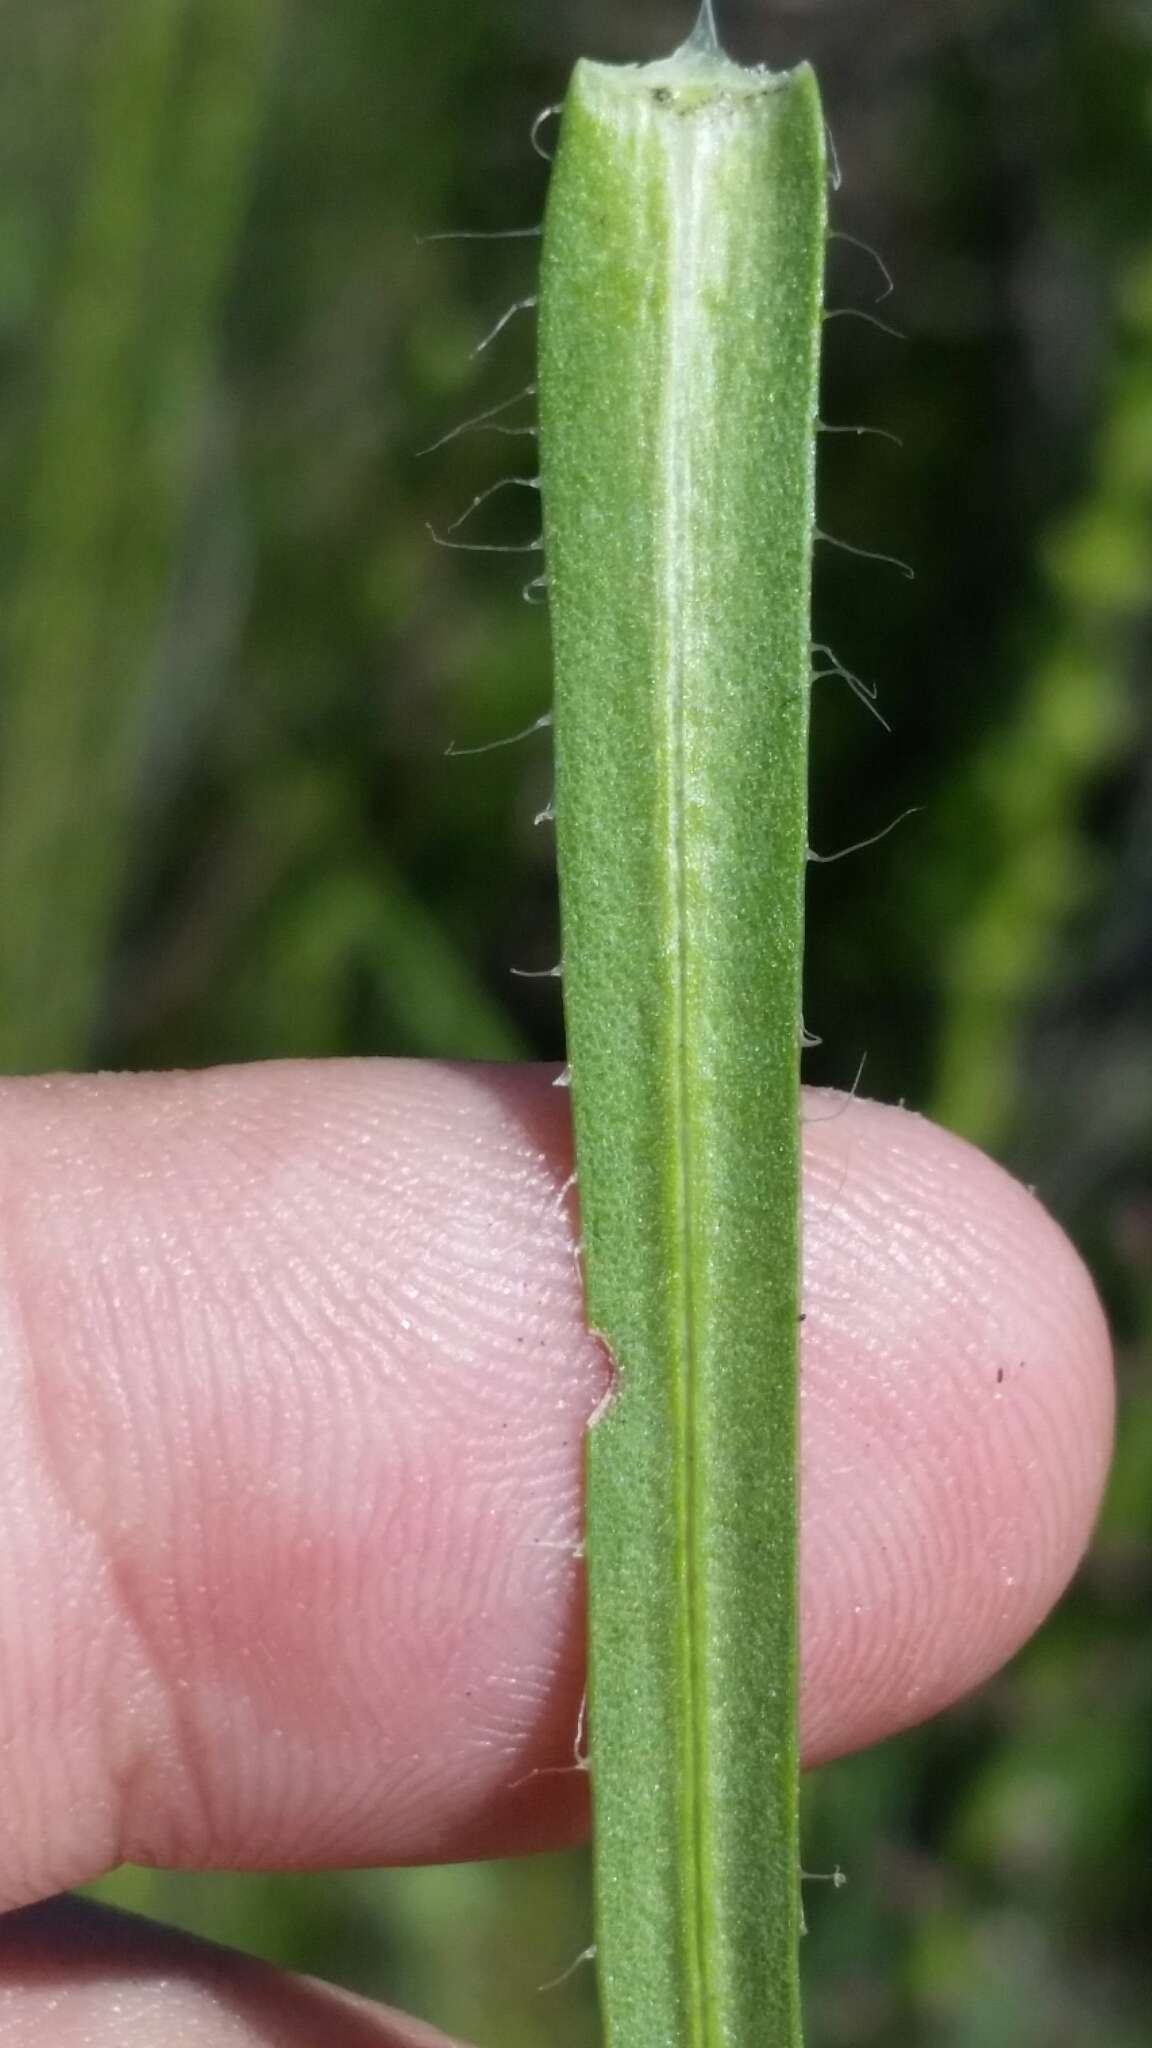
(233, 660)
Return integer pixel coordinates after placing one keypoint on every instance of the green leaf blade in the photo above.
(680, 325)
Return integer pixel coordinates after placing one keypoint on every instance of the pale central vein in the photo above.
(679, 598)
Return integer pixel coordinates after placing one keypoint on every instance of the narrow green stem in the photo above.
(680, 334)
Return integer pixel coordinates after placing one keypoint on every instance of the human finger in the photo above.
(293, 1384)
(76, 1975)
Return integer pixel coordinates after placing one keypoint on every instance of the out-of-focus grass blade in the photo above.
(176, 90)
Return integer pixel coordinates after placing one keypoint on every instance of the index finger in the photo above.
(294, 1382)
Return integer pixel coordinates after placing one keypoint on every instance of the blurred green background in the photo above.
(233, 660)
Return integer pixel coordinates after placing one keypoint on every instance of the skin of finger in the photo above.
(293, 1385)
(76, 1975)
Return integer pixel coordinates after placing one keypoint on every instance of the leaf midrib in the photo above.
(678, 388)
